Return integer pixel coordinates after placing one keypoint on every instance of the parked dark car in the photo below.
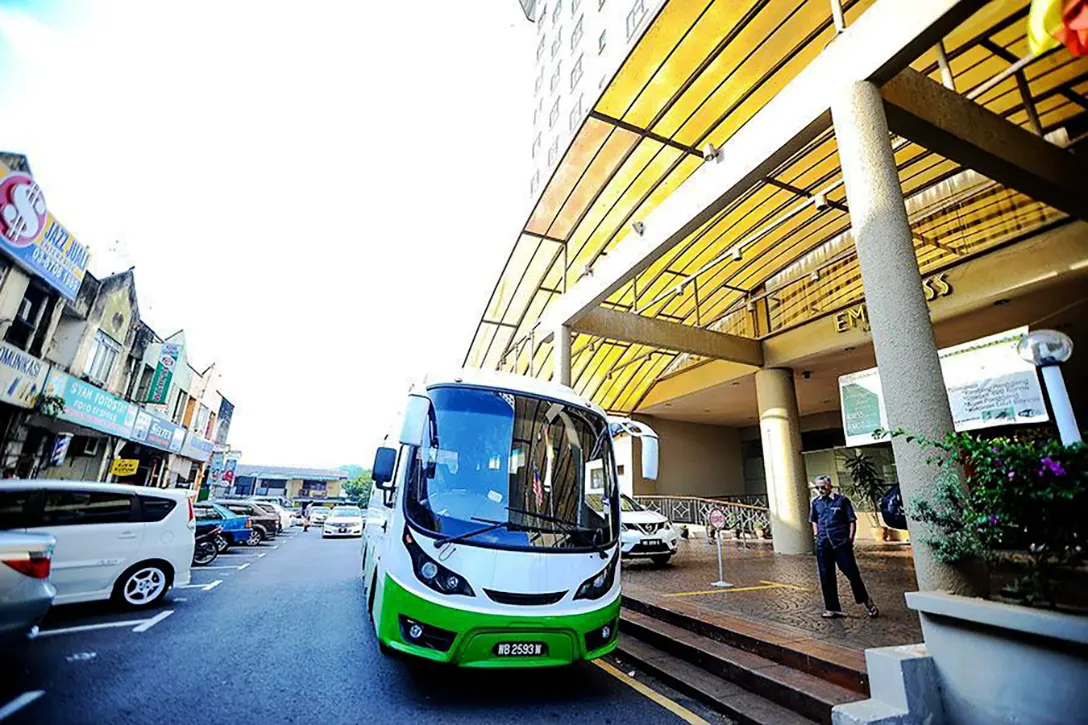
(266, 523)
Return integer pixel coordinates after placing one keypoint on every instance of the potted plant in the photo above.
(867, 487)
(999, 501)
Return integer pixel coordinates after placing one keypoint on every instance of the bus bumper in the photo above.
(470, 639)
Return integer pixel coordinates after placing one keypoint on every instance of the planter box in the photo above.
(1003, 663)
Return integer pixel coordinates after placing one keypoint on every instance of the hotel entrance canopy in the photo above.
(777, 251)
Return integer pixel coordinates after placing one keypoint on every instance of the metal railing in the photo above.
(741, 517)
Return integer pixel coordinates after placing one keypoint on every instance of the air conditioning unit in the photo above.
(25, 310)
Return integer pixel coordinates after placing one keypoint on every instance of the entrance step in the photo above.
(781, 644)
(745, 686)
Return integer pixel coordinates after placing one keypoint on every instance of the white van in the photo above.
(127, 543)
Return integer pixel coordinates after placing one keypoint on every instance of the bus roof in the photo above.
(514, 384)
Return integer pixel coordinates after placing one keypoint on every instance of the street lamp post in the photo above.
(1047, 350)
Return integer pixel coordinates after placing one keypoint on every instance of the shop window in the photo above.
(557, 42)
(554, 115)
(575, 4)
(576, 113)
(100, 360)
(602, 42)
(31, 310)
(555, 12)
(555, 77)
(540, 48)
(576, 73)
(553, 152)
(576, 34)
(536, 145)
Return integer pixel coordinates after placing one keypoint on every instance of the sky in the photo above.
(321, 194)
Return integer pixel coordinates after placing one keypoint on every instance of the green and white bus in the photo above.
(482, 550)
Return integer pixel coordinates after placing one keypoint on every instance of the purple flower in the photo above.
(1049, 464)
(1012, 475)
(993, 520)
(994, 450)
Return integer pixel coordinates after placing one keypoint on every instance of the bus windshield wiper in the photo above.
(571, 525)
(469, 534)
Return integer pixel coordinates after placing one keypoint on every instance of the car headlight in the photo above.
(627, 527)
(433, 574)
(599, 584)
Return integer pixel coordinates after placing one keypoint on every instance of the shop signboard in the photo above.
(197, 447)
(229, 468)
(158, 432)
(215, 475)
(124, 466)
(90, 406)
(34, 239)
(164, 373)
(22, 376)
(988, 385)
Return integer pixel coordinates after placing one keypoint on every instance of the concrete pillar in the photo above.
(562, 355)
(780, 434)
(906, 352)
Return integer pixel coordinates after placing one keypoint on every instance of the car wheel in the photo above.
(221, 543)
(255, 537)
(661, 560)
(143, 585)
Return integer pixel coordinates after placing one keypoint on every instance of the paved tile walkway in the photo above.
(785, 590)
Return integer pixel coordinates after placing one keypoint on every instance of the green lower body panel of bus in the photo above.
(420, 627)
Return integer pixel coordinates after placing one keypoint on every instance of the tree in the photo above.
(358, 488)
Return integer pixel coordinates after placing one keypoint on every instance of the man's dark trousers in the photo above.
(827, 556)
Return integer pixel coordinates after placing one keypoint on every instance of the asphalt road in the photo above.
(284, 640)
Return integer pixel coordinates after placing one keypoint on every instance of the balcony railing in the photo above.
(742, 517)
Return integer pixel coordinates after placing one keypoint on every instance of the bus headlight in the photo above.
(433, 574)
(600, 583)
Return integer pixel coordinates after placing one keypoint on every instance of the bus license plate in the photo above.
(521, 649)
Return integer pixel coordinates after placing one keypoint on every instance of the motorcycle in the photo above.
(206, 550)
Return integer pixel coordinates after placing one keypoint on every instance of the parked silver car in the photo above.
(25, 591)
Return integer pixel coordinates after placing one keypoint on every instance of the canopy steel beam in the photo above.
(603, 322)
(958, 129)
(883, 41)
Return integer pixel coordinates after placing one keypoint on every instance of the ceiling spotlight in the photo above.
(678, 290)
(815, 276)
(736, 252)
(639, 228)
(820, 202)
(711, 152)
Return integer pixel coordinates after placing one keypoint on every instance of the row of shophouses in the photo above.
(88, 389)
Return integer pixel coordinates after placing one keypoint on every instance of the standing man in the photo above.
(834, 525)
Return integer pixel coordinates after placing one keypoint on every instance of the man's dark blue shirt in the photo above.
(832, 517)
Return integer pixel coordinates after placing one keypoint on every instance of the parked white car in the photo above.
(287, 518)
(643, 533)
(343, 521)
(318, 514)
(127, 543)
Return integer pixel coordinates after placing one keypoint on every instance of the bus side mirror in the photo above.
(649, 457)
(649, 442)
(416, 414)
(385, 461)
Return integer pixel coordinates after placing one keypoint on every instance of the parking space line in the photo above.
(19, 703)
(89, 627)
(230, 553)
(674, 707)
(205, 587)
(261, 556)
(148, 624)
(733, 590)
(243, 566)
(226, 566)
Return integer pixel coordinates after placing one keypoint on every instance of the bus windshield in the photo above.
(511, 471)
